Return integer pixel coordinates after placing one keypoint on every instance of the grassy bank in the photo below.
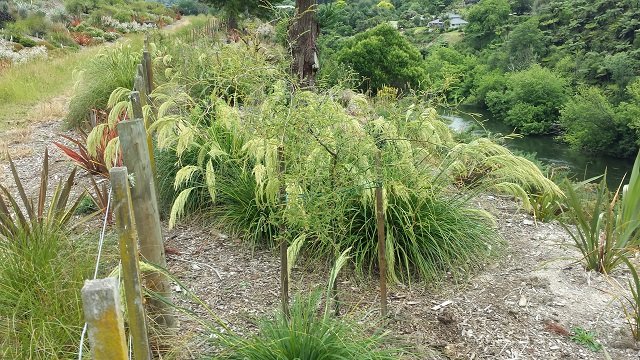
(24, 86)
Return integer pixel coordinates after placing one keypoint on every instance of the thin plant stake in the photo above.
(382, 259)
(284, 272)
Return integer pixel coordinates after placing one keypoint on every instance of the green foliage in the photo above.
(448, 70)
(592, 124)
(233, 9)
(384, 58)
(531, 100)
(586, 338)
(633, 301)
(109, 70)
(41, 273)
(305, 335)
(607, 231)
(30, 216)
(525, 44)
(486, 22)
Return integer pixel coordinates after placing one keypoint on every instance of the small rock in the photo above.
(522, 302)
(177, 288)
(195, 267)
(527, 222)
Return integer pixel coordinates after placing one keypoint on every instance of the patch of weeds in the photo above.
(585, 338)
(86, 206)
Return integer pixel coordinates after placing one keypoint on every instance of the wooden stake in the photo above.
(135, 153)
(136, 103)
(148, 67)
(382, 257)
(128, 243)
(102, 313)
(284, 275)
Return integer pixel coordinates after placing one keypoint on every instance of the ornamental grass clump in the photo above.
(108, 71)
(41, 271)
(306, 335)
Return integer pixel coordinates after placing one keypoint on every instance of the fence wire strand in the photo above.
(97, 267)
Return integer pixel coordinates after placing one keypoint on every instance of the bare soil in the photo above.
(521, 305)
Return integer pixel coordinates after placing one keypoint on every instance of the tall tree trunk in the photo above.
(303, 35)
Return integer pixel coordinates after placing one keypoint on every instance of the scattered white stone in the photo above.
(523, 301)
(527, 222)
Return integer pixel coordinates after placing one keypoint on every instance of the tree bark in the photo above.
(303, 35)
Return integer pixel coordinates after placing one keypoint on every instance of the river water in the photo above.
(548, 150)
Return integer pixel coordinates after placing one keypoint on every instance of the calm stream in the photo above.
(580, 165)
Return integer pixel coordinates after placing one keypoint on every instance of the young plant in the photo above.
(95, 160)
(607, 232)
(586, 338)
(29, 216)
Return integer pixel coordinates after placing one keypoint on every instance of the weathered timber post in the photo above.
(101, 305)
(139, 86)
(128, 243)
(135, 154)
(136, 104)
(148, 66)
(284, 273)
(382, 257)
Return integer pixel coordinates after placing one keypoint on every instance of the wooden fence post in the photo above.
(128, 243)
(382, 252)
(148, 67)
(284, 273)
(136, 104)
(101, 305)
(135, 153)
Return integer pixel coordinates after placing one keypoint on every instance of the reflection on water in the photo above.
(580, 165)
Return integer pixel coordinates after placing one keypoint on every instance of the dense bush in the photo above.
(531, 100)
(592, 124)
(384, 57)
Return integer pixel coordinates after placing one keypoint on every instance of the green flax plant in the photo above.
(28, 215)
(607, 231)
(631, 302)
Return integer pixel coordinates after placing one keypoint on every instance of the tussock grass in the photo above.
(41, 274)
(305, 335)
(107, 71)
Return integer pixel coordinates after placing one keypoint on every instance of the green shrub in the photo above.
(61, 39)
(592, 124)
(305, 335)
(428, 236)
(109, 70)
(384, 57)
(35, 24)
(531, 100)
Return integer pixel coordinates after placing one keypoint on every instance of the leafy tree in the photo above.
(486, 20)
(592, 124)
(623, 69)
(448, 70)
(531, 101)
(629, 112)
(384, 57)
(521, 6)
(525, 44)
